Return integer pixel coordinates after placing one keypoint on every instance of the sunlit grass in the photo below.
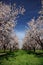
(21, 57)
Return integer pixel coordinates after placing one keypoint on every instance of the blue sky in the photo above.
(32, 7)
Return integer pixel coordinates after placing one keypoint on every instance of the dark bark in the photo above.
(34, 49)
(39, 41)
(4, 47)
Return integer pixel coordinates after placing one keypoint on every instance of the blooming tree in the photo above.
(8, 17)
(34, 34)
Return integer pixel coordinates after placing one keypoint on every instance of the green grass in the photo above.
(21, 57)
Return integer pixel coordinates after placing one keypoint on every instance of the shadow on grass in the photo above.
(38, 54)
(30, 52)
(7, 56)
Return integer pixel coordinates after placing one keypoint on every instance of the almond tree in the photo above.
(13, 45)
(36, 28)
(34, 34)
(8, 17)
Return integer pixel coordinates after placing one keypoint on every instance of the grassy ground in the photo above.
(22, 57)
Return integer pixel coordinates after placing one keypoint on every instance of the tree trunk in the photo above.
(42, 48)
(10, 48)
(34, 49)
(4, 47)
